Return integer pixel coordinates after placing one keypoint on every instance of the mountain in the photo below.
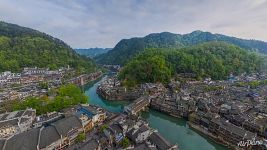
(92, 52)
(24, 47)
(211, 59)
(128, 48)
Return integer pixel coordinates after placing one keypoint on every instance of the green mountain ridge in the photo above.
(92, 52)
(211, 59)
(24, 47)
(128, 48)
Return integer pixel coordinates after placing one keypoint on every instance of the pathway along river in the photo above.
(173, 129)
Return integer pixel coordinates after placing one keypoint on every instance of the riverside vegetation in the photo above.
(57, 99)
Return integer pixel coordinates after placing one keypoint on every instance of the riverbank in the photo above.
(111, 89)
(219, 106)
(203, 132)
(175, 130)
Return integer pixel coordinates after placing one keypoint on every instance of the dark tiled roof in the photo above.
(144, 147)
(238, 131)
(4, 117)
(159, 141)
(2, 142)
(22, 120)
(63, 126)
(132, 134)
(48, 136)
(233, 129)
(90, 145)
(116, 128)
(25, 141)
(13, 122)
(29, 112)
(19, 114)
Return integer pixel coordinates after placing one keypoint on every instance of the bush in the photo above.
(81, 137)
(66, 96)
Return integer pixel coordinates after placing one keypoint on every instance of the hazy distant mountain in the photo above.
(24, 47)
(127, 48)
(92, 52)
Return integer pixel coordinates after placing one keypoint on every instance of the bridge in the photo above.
(85, 78)
(138, 105)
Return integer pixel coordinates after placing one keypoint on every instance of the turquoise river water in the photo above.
(173, 129)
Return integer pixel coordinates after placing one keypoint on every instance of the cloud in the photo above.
(102, 23)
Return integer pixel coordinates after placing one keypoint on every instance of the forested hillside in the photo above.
(128, 48)
(212, 59)
(92, 52)
(24, 47)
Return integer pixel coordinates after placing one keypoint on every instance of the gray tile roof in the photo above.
(90, 145)
(159, 141)
(2, 142)
(144, 147)
(22, 120)
(13, 122)
(116, 128)
(19, 114)
(29, 112)
(25, 141)
(4, 117)
(63, 126)
(48, 136)
(233, 129)
(132, 134)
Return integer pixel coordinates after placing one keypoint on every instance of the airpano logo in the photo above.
(251, 142)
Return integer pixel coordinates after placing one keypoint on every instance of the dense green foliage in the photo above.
(252, 84)
(125, 142)
(43, 85)
(23, 47)
(103, 127)
(81, 137)
(146, 69)
(129, 48)
(66, 96)
(213, 59)
(92, 52)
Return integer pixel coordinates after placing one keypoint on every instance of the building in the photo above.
(34, 71)
(56, 136)
(160, 143)
(12, 123)
(137, 106)
(92, 145)
(98, 115)
(230, 133)
(139, 134)
(47, 119)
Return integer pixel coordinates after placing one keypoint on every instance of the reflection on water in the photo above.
(173, 129)
(177, 131)
(113, 106)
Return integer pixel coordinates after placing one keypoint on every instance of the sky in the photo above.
(103, 23)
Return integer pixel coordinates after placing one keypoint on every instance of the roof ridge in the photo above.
(4, 146)
(53, 125)
(39, 137)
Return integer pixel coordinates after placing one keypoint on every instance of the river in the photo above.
(173, 129)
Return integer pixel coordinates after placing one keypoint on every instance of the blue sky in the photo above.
(102, 23)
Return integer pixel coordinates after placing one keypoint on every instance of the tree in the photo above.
(66, 96)
(103, 127)
(23, 47)
(81, 137)
(125, 142)
(213, 59)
